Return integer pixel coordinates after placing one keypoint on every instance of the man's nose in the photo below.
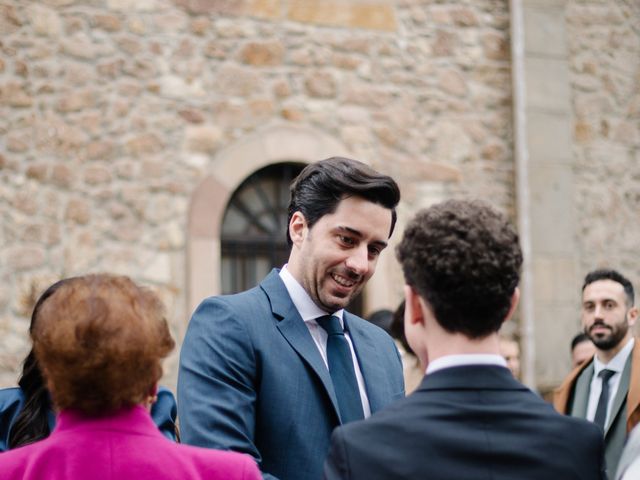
(358, 261)
(598, 311)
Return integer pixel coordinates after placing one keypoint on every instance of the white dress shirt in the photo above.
(309, 311)
(617, 365)
(466, 359)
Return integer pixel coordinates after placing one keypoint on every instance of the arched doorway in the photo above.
(253, 232)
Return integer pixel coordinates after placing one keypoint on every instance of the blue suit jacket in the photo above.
(252, 380)
(468, 422)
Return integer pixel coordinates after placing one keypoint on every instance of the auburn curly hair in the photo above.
(99, 340)
(463, 258)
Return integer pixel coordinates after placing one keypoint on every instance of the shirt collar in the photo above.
(616, 363)
(306, 307)
(466, 359)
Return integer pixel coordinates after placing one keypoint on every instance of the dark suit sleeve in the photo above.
(335, 466)
(216, 381)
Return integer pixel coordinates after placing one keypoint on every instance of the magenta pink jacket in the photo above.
(123, 446)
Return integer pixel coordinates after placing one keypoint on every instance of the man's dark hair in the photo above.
(579, 338)
(321, 186)
(609, 274)
(463, 258)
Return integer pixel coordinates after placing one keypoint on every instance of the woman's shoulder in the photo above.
(11, 400)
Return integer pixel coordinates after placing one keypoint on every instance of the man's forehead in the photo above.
(603, 289)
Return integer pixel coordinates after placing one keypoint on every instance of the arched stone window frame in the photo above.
(228, 169)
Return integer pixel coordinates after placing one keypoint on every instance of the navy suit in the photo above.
(252, 380)
(468, 422)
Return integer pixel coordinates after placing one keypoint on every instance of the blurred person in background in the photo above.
(582, 349)
(26, 411)
(606, 390)
(99, 341)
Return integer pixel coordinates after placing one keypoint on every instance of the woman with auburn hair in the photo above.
(26, 412)
(99, 341)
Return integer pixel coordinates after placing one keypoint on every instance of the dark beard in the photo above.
(612, 340)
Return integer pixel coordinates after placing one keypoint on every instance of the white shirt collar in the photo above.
(465, 359)
(306, 307)
(616, 363)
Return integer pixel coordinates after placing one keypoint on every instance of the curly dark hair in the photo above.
(463, 258)
(321, 186)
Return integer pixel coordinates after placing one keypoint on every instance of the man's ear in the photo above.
(632, 316)
(413, 312)
(297, 228)
(515, 299)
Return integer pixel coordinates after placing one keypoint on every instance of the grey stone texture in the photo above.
(112, 113)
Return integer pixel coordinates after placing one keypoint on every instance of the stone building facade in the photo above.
(126, 126)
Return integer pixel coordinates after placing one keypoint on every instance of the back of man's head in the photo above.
(463, 258)
(321, 186)
(614, 275)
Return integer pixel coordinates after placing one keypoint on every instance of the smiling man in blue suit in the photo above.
(273, 370)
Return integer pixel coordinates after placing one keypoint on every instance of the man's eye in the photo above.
(346, 240)
(374, 252)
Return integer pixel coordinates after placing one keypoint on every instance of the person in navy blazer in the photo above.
(253, 372)
(469, 418)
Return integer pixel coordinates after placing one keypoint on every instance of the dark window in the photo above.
(253, 239)
(254, 227)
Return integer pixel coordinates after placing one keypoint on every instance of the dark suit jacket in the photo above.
(468, 423)
(252, 380)
(572, 398)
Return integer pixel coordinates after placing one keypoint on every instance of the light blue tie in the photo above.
(341, 370)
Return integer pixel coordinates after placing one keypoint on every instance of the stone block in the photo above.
(107, 22)
(14, 95)
(555, 280)
(62, 175)
(203, 138)
(368, 15)
(25, 257)
(271, 9)
(549, 137)
(77, 211)
(444, 43)
(320, 84)
(463, 17)
(206, 7)
(96, 175)
(142, 144)
(551, 187)
(452, 82)
(545, 31)
(548, 86)
(232, 80)
(261, 54)
(495, 46)
(76, 101)
(45, 21)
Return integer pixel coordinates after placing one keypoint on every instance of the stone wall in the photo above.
(604, 40)
(113, 112)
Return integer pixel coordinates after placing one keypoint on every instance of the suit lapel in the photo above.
(372, 371)
(578, 408)
(621, 394)
(294, 330)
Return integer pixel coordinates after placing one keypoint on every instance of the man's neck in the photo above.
(458, 344)
(605, 356)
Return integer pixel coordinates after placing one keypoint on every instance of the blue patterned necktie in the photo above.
(603, 401)
(341, 370)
